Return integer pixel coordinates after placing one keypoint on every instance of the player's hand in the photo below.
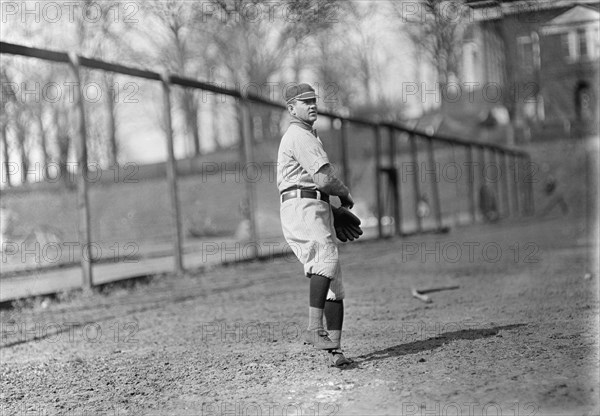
(347, 201)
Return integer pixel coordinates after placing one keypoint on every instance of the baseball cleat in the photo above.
(338, 359)
(319, 338)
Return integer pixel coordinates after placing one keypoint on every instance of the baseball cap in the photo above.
(299, 92)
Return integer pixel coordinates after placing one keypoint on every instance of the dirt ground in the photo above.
(518, 337)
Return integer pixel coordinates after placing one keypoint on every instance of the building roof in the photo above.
(532, 3)
(494, 9)
(578, 14)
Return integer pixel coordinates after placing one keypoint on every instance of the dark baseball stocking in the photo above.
(319, 286)
(334, 316)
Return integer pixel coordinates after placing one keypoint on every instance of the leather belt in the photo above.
(304, 193)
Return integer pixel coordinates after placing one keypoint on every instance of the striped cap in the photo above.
(299, 92)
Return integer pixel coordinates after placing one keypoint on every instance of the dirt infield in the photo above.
(518, 337)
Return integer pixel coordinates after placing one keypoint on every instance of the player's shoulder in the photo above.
(294, 129)
(293, 133)
(296, 132)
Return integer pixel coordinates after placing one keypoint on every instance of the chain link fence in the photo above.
(222, 204)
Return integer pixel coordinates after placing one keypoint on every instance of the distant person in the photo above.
(423, 209)
(243, 231)
(488, 205)
(554, 197)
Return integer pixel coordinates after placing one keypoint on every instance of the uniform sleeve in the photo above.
(309, 152)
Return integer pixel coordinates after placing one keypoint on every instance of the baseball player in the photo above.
(306, 180)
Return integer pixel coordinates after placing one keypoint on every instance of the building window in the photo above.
(594, 43)
(582, 43)
(525, 53)
(565, 50)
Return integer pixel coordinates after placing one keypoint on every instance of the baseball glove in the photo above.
(346, 224)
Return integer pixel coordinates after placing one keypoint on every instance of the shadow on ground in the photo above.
(433, 343)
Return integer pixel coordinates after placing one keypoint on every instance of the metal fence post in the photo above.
(482, 164)
(83, 202)
(471, 183)
(482, 176)
(416, 178)
(494, 161)
(378, 181)
(530, 200)
(246, 130)
(172, 174)
(517, 180)
(456, 182)
(521, 194)
(505, 180)
(523, 188)
(345, 164)
(395, 183)
(434, 185)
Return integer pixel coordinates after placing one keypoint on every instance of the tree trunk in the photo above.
(367, 87)
(43, 145)
(63, 146)
(298, 64)
(191, 115)
(442, 78)
(62, 140)
(213, 103)
(214, 113)
(5, 159)
(22, 155)
(111, 122)
(113, 151)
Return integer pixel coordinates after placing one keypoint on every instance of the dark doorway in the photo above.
(584, 101)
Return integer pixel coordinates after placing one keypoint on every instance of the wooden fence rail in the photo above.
(520, 193)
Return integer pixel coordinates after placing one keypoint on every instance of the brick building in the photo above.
(543, 56)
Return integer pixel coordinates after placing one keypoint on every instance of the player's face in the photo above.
(305, 110)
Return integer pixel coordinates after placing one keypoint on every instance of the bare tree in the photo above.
(435, 29)
(21, 129)
(21, 96)
(19, 106)
(363, 49)
(255, 47)
(8, 102)
(336, 75)
(178, 46)
(94, 36)
(220, 39)
(38, 115)
(100, 37)
(349, 63)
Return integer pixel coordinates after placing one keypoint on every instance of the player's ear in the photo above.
(291, 109)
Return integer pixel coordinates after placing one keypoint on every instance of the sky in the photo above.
(44, 25)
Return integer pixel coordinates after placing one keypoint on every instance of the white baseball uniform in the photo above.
(307, 223)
